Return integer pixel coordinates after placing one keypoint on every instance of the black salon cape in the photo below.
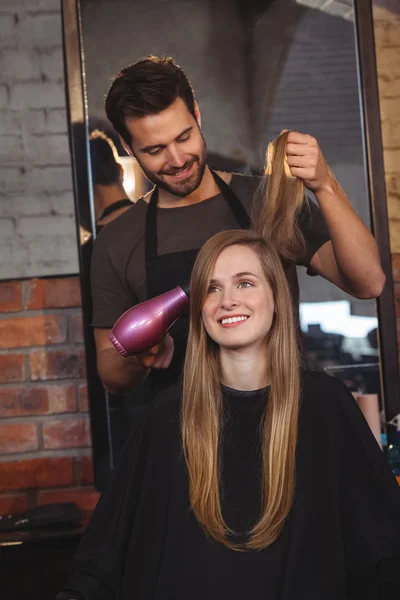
(341, 540)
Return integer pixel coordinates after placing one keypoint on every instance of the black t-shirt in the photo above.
(341, 540)
(118, 276)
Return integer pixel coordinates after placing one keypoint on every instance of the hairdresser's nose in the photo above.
(176, 158)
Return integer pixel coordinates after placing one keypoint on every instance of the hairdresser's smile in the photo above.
(239, 307)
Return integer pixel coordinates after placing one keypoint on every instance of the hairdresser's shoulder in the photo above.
(127, 225)
(245, 187)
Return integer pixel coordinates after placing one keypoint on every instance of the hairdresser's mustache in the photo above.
(176, 171)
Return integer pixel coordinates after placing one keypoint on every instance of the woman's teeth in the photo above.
(233, 320)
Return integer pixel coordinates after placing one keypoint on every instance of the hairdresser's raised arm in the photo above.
(351, 259)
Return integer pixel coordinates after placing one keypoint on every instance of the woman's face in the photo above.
(239, 307)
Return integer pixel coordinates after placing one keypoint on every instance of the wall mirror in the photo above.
(257, 66)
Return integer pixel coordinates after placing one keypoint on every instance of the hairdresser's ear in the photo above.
(127, 148)
(197, 113)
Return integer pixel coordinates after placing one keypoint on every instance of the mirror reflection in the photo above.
(278, 65)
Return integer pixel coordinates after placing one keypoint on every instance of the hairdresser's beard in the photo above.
(185, 186)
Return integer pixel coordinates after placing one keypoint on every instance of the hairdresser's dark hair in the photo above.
(146, 87)
(104, 159)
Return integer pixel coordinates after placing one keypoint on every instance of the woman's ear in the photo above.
(197, 113)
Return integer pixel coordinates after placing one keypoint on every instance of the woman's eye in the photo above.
(245, 284)
(212, 288)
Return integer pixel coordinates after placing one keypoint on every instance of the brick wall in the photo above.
(45, 453)
(387, 41)
(37, 222)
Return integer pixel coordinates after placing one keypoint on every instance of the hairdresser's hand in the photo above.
(157, 357)
(307, 162)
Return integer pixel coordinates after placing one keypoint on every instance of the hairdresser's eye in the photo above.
(245, 284)
(154, 151)
(184, 138)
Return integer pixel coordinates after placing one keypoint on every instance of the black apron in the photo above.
(164, 272)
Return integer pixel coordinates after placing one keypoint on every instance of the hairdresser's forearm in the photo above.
(354, 247)
(120, 375)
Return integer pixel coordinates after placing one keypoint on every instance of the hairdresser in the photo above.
(152, 247)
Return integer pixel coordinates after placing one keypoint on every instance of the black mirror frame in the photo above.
(78, 136)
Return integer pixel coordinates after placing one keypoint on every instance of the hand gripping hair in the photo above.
(278, 201)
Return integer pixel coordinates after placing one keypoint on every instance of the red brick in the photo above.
(53, 293)
(57, 364)
(83, 470)
(10, 296)
(62, 398)
(83, 397)
(18, 437)
(396, 267)
(67, 433)
(16, 402)
(11, 368)
(11, 504)
(40, 330)
(86, 498)
(36, 473)
(76, 328)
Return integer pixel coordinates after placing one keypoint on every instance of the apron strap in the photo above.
(150, 235)
(235, 205)
(228, 194)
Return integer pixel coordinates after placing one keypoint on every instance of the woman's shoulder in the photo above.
(323, 392)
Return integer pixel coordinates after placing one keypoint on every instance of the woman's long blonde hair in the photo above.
(202, 408)
(278, 201)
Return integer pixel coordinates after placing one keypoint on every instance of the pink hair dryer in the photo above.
(144, 325)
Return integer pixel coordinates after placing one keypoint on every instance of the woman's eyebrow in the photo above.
(236, 276)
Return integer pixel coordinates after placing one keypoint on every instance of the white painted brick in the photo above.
(7, 25)
(49, 149)
(39, 30)
(48, 179)
(64, 250)
(3, 96)
(52, 64)
(6, 229)
(12, 179)
(29, 205)
(11, 148)
(15, 255)
(41, 121)
(37, 95)
(10, 122)
(15, 5)
(57, 121)
(20, 65)
(44, 226)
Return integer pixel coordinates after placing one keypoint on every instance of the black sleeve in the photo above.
(370, 498)
(111, 297)
(314, 229)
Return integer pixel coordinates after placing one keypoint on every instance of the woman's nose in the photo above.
(229, 300)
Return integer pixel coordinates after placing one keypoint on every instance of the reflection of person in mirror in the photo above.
(254, 478)
(110, 199)
(152, 247)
